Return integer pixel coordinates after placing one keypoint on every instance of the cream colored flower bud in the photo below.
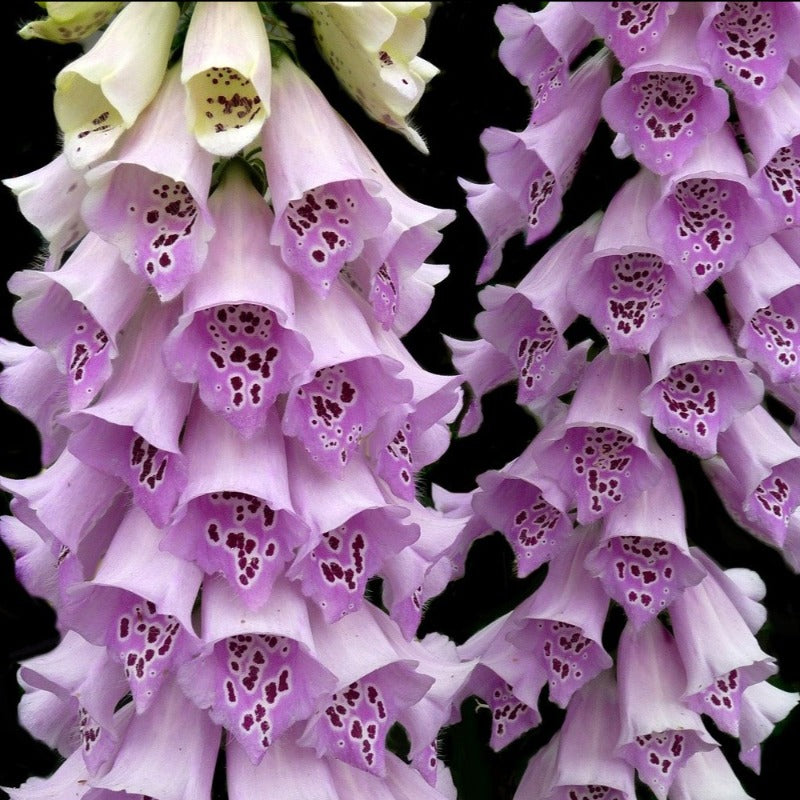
(69, 22)
(102, 93)
(373, 49)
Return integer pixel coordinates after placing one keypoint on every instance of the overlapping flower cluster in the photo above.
(231, 426)
(706, 101)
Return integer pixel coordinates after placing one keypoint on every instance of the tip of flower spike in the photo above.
(415, 139)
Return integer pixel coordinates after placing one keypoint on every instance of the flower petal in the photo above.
(226, 69)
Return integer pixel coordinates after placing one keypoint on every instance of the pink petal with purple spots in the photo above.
(240, 536)
(705, 213)
(664, 115)
(325, 229)
(529, 339)
(383, 294)
(88, 360)
(242, 359)
(141, 394)
(355, 720)
(731, 492)
(713, 640)
(766, 462)
(696, 401)
(666, 102)
(235, 337)
(771, 337)
(156, 477)
(150, 202)
(763, 292)
(87, 302)
(568, 658)
(641, 574)
(592, 791)
(427, 763)
(562, 622)
(511, 717)
(338, 407)
(774, 500)
(257, 675)
(749, 45)
(603, 468)
(334, 574)
(262, 686)
(639, 292)
(772, 131)
(600, 452)
(643, 558)
(707, 219)
(395, 462)
(721, 701)
(628, 288)
(525, 324)
(658, 757)
(260, 691)
(658, 732)
(535, 529)
(630, 29)
(78, 669)
(82, 351)
(146, 643)
(700, 384)
(516, 167)
(391, 272)
(535, 167)
(326, 202)
(139, 605)
(779, 182)
(154, 222)
(99, 745)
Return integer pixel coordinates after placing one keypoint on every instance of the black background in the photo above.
(472, 92)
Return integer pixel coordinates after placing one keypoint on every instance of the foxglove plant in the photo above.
(232, 426)
(186, 332)
(673, 366)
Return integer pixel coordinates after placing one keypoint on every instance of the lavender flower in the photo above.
(234, 428)
(594, 497)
